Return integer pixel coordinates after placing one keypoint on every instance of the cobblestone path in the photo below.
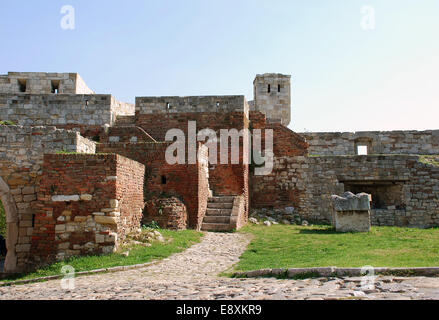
(193, 274)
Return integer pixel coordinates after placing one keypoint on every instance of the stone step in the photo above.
(216, 219)
(215, 227)
(219, 205)
(218, 212)
(221, 199)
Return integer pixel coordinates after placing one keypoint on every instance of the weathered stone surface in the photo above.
(351, 212)
(351, 202)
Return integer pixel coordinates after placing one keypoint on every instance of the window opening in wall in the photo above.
(278, 88)
(269, 88)
(22, 85)
(168, 106)
(362, 150)
(33, 220)
(163, 179)
(55, 86)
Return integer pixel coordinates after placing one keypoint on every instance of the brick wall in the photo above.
(161, 178)
(86, 204)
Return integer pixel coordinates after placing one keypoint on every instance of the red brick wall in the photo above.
(110, 187)
(169, 213)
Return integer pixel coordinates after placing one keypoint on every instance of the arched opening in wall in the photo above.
(3, 250)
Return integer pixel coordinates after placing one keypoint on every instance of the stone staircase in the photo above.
(218, 213)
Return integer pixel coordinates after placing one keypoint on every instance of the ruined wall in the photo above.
(212, 112)
(312, 180)
(86, 204)
(162, 179)
(378, 142)
(21, 158)
(63, 111)
(266, 191)
(168, 213)
(43, 83)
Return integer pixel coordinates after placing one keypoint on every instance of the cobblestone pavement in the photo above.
(193, 274)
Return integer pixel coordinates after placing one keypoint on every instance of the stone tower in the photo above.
(272, 94)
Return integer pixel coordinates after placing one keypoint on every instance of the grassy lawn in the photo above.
(282, 246)
(179, 240)
(2, 221)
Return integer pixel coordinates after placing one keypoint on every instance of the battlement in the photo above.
(43, 83)
(194, 104)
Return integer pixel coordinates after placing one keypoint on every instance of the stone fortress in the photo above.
(80, 170)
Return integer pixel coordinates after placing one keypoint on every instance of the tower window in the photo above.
(163, 179)
(269, 88)
(55, 86)
(22, 85)
(278, 88)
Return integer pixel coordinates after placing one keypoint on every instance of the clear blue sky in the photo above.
(343, 77)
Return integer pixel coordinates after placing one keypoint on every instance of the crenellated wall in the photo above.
(43, 83)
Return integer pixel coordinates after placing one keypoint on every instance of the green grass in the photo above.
(432, 160)
(180, 240)
(281, 246)
(6, 123)
(2, 221)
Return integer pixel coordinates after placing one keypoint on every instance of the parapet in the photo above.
(225, 104)
(43, 83)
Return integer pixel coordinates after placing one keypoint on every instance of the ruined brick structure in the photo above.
(79, 170)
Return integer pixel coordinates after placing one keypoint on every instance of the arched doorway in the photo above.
(11, 221)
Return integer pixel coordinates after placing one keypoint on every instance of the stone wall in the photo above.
(378, 142)
(21, 158)
(86, 204)
(272, 94)
(62, 110)
(43, 83)
(307, 184)
(194, 104)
